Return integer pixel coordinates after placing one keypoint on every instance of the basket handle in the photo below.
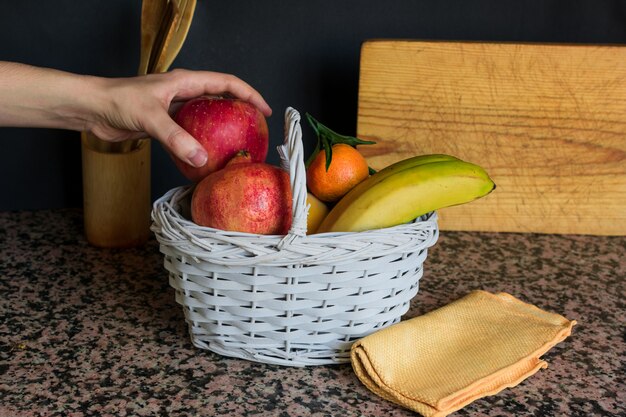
(292, 160)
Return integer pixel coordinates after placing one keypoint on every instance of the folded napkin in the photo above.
(476, 346)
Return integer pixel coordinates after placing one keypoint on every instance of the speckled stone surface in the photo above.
(86, 331)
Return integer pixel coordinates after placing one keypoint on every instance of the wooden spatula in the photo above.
(164, 37)
(184, 10)
(152, 14)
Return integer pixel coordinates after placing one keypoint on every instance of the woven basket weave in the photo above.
(290, 300)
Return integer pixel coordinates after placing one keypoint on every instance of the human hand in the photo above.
(133, 108)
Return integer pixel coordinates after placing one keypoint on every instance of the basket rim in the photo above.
(169, 201)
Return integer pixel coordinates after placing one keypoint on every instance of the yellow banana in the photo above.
(402, 165)
(399, 166)
(406, 190)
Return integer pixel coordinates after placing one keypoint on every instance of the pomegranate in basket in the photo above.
(244, 196)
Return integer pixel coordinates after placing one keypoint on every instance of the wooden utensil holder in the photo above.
(116, 194)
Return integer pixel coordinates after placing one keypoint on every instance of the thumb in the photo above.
(176, 139)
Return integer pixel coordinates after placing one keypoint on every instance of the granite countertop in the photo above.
(86, 331)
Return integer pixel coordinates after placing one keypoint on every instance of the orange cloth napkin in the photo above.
(437, 363)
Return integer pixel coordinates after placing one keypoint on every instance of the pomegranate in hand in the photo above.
(223, 126)
(244, 196)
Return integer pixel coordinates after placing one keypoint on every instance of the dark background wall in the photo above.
(303, 54)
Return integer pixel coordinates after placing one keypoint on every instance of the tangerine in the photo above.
(347, 168)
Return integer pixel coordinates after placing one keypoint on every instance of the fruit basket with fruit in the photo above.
(296, 299)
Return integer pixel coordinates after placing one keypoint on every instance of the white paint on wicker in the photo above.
(289, 300)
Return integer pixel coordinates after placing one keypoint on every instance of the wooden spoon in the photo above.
(178, 35)
(152, 14)
(164, 37)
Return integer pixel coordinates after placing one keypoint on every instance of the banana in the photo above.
(406, 190)
(404, 164)
(399, 166)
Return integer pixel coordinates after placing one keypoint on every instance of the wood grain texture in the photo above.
(548, 122)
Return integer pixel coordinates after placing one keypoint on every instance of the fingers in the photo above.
(192, 84)
(242, 90)
(180, 143)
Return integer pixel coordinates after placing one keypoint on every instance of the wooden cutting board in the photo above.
(548, 122)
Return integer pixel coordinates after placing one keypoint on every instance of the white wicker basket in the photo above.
(289, 300)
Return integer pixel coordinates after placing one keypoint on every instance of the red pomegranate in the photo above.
(244, 196)
(223, 126)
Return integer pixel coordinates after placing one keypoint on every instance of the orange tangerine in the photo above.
(347, 168)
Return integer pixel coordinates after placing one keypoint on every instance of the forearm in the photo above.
(40, 97)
